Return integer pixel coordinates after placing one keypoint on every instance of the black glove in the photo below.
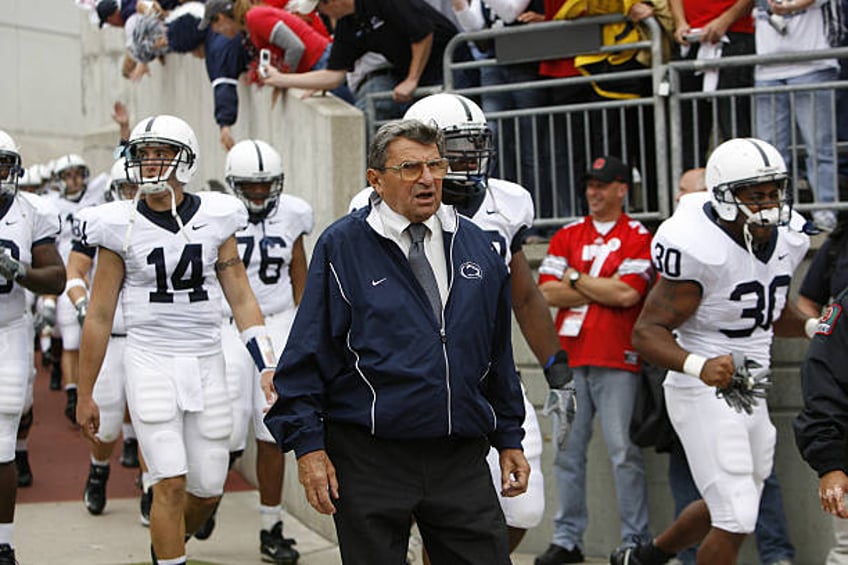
(82, 309)
(557, 372)
(10, 268)
(746, 385)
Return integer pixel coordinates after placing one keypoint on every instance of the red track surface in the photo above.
(59, 456)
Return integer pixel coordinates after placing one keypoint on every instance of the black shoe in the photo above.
(641, 554)
(129, 455)
(556, 555)
(145, 504)
(55, 376)
(206, 529)
(95, 489)
(7, 555)
(24, 471)
(71, 406)
(277, 549)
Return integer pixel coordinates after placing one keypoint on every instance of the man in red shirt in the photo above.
(706, 30)
(597, 273)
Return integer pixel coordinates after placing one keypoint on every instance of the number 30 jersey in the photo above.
(741, 294)
(171, 296)
(266, 246)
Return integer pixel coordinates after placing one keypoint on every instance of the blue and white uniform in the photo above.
(176, 386)
(26, 221)
(265, 246)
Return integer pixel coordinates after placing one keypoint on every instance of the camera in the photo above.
(693, 35)
(264, 62)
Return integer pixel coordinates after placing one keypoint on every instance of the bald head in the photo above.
(693, 180)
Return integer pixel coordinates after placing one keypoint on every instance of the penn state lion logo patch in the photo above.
(828, 320)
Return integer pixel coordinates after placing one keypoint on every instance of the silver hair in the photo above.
(413, 130)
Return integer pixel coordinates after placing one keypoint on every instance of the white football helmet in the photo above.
(120, 187)
(254, 161)
(31, 180)
(10, 165)
(742, 162)
(66, 163)
(157, 131)
(468, 141)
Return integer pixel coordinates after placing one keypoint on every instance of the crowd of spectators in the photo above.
(355, 48)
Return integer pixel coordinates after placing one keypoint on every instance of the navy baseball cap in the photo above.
(106, 8)
(608, 169)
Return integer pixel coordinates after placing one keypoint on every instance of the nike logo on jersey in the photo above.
(379, 282)
(782, 257)
(11, 222)
(199, 226)
(490, 212)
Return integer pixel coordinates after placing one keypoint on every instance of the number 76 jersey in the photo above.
(742, 295)
(171, 295)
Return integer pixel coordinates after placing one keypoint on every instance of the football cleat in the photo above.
(145, 503)
(275, 548)
(94, 495)
(71, 406)
(129, 454)
(7, 555)
(24, 471)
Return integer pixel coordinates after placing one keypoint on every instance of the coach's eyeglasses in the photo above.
(412, 170)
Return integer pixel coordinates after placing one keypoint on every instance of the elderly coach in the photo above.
(399, 374)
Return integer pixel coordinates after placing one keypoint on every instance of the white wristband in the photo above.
(810, 327)
(694, 364)
(49, 302)
(74, 283)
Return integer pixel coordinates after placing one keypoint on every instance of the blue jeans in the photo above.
(772, 533)
(813, 117)
(610, 393)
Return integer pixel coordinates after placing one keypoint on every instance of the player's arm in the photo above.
(794, 322)
(79, 265)
(234, 282)
(298, 269)
(532, 311)
(46, 275)
(108, 279)
(668, 305)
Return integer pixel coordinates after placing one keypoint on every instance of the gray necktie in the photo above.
(422, 269)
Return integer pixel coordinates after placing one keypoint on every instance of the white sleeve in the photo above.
(471, 18)
(508, 10)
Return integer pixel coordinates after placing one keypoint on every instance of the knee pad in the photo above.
(207, 478)
(164, 454)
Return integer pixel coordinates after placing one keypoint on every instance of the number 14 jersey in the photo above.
(171, 295)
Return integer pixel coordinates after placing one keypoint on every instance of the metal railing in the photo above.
(562, 138)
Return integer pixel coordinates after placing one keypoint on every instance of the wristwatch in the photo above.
(573, 278)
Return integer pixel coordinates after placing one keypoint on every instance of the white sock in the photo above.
(128, 431)
(6, 531)
(70, 386)
(181, 560)
(145, 481)
(99, 463)
(269, 516)
(21, 445)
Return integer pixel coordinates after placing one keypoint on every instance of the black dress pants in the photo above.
(443, 484)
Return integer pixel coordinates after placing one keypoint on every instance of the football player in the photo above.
(75, 194)
(28, 260)
(109, 392)
(725, 268)
(505, 211)
(272, 251)
(172, 257)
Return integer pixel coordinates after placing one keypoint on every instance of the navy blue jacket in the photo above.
(366, 349)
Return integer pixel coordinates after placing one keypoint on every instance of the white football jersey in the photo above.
(742, 295)
(171, 295)
(507, 209)
(25, 220)
(266, 250)
(95, 194)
